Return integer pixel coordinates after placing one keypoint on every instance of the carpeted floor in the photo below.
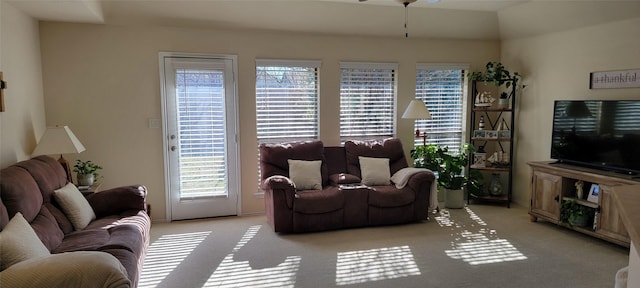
(478, 246)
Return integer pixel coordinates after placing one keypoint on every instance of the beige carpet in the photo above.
(479, 246)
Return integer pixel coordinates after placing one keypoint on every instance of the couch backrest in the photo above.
(27, 187)
(273, 157)
(388, 148)
(336, 159)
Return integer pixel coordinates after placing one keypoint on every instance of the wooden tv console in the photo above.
(553, 183)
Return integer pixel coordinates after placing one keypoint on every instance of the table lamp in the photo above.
(417, 110)
(59, 140)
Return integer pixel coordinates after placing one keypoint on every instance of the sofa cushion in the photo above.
(319, 201)
(47, 172)
(390, 196)
(273, 157)
(4, 215)
(375, 171)
(305, 175)
(20, 192)
(77, 269)
(389, 148)
(75, 206)
(18, 242)
(47, 229)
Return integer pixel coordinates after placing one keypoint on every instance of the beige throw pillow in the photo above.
(18, 242)
(306, 175)
(375, 171)
(75, 206)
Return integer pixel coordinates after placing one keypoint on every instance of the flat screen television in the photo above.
(597, 134)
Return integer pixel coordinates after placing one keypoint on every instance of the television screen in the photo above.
(597, 134)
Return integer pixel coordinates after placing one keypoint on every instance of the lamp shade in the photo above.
(416, 110)
(58, 140)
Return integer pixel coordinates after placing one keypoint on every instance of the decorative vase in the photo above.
(85, 179)
(495, 187)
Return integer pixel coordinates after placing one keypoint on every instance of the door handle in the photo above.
(557, 198)
(173, 148)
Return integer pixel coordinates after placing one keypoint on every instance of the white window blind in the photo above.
(441, 87)
(201, 121)
(367, 97)
(286, 100)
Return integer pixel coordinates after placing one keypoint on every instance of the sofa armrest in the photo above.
(418, 179)
(280, 187)
(71, 269)
(116, 200)
(277, 182)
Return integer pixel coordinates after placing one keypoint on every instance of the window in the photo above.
(367, 100)
(442, 87)
(286, 100)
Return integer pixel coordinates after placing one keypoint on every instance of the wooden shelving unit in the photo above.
(493, 116)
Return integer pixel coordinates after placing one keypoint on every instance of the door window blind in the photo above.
(442, 89)
(367, 97)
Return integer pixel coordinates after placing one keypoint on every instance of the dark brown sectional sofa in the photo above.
(121, 227)
(332, 207)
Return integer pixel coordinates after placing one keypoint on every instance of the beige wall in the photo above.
(557, 66)
(103, 82)
(24, 119)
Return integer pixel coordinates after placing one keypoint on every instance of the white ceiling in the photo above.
(457, 19)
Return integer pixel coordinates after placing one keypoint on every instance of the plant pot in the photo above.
(454, 198)
(503, 103)
(578, 220)
(85, 179)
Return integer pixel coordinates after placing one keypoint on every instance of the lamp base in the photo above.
(66, 167)
(423, 135)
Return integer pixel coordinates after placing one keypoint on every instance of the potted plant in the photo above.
(86, 172)
(449, 167)
(575, 214)
(496, 73)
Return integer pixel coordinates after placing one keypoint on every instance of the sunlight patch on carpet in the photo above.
(483, 247)
(231, 273)
(376, 264)
(165, 254)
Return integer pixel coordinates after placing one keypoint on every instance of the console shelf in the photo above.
(552, 184)
(496, 136)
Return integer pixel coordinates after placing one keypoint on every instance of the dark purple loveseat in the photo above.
(331, 207)
(121, 227)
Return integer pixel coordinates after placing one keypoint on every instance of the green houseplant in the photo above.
(86, 172)
(575, 213)
(449, 167)
(496, 73)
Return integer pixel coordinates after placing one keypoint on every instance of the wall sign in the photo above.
(615, 79)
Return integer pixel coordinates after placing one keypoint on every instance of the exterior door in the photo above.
(201, 152)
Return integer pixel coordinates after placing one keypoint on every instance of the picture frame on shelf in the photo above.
(593, 193)
(479, 133)
(491, 134)
(504, 134)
